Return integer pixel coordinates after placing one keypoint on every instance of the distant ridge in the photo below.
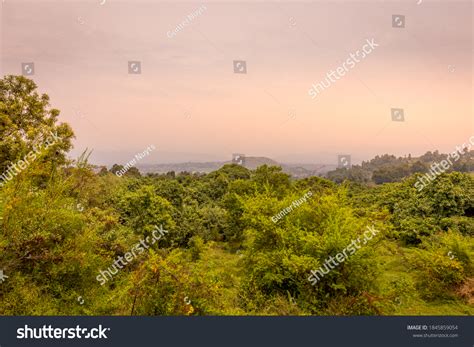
(251, 163)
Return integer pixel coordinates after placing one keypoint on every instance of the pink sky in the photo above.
(190, 104)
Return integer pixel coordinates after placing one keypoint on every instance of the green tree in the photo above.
(27, 121)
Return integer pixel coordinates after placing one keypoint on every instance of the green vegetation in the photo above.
(61, 224)
(388, 168)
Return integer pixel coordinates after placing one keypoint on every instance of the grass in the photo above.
(397, 283)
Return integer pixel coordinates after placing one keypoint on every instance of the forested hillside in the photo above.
(388, 168)
(231, 242)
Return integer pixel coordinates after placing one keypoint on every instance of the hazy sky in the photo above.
(190, 104)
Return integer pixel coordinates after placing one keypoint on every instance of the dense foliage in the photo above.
(61, 224)
(388, 168)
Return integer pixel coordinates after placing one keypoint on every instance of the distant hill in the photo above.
(389, 168)
(251, 163)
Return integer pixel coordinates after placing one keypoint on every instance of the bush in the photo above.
(443, 263)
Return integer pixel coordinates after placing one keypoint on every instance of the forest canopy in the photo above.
(63, 224)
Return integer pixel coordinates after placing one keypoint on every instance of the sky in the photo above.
(192, 106)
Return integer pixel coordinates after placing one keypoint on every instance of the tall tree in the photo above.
(27, 121)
